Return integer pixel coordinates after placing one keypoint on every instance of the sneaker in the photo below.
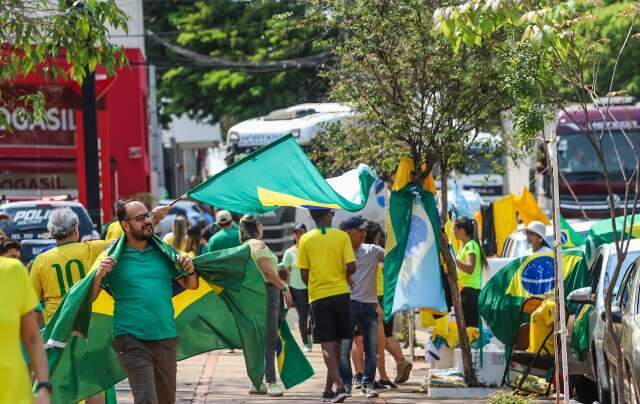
(378, 386)
(357, 381)
(306, 348)
(403, 371)
(340, 396)
(386, 384)
(230, 350)
(328, 396)
(262, 390)
(424, 387)
(274, 390)
(369, 392)
(347, 388)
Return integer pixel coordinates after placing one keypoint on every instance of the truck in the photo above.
(616, 122)
(304, 122)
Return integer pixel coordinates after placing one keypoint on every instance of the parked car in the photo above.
(626, 335)
(28, 224)
(190, 209)
(601, 268)
(516, 244)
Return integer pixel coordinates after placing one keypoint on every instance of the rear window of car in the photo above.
(30, 222)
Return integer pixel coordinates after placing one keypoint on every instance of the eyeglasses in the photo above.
(141, 218)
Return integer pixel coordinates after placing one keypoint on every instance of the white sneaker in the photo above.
(230, 350)
(274, 390)
(306, 348)
(262, 390)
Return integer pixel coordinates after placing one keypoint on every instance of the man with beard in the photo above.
(145, 335)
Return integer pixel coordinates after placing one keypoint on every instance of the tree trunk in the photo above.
(444, 193)
(465, 347)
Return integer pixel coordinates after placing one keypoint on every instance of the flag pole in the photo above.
(561, 328)
(182, 197)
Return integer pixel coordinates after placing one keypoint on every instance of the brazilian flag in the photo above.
(580, 335)
(602, 232)
(502, 296)
(280, 174)
(226, 311)
(570, 237)
(293, 366)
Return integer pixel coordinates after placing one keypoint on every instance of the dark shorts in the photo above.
(332, 318)
(388, 325)
(469, 297)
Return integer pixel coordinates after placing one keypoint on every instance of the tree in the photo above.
(556, 49)
(237, 34)
(414, 96)
(36, 31)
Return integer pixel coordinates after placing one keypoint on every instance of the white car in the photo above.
(603, 257)
(516, 245)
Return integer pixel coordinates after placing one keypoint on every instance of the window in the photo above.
(595, 269)
(627, 284)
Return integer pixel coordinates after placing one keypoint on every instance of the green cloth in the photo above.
(570, 237)
(500, 299)
(473, 280)
(290, 260)
(227, 237)
(140, 277)
(293, 366)
(602, 232)
(227, 311)
(581, 333)
(280, 174)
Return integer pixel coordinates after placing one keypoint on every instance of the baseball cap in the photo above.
(223, 217)
(300, 227)
(354, 222)
(537, 227)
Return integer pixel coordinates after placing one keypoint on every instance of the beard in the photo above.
(145, 232)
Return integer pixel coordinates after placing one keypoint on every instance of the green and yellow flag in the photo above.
(602, 232)
(226, 311)
(280, 174)
(293, 366)
(581, 333)
(502, 296)
(570, 237)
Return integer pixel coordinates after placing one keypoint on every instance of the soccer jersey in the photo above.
(55, 271)
(114, 231)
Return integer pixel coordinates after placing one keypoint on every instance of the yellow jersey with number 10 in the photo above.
(54, 272)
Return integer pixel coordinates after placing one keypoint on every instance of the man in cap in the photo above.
(327, 262)
(364, 305)
(228, 236)
(535, 232)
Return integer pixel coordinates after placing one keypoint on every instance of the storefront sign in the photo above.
(16, 181)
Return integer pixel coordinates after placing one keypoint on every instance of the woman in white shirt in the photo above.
(535, 232)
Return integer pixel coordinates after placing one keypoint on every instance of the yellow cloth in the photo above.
(16, 299)
(478, 217)
(403, 176)
(325, 253)
(448, 329)
(528, 208)
(168, 238)
(455, 243)
(114, 231)
(380, 280)
(504, 219)
(541, 325)
(427, 317)
(54, 272)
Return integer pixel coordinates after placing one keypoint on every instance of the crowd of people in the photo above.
(331, 277)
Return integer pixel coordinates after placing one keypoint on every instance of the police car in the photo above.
(27, 223)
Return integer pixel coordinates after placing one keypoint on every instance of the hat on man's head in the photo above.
(354, 222)
(223, 217)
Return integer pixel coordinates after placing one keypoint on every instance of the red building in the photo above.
(45, 158)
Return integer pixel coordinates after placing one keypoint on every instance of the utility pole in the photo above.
(91, 147)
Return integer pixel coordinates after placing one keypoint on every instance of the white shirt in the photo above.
(542, 250)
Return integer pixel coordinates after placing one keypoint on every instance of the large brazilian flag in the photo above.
(226, 311)
(280, 174)
(533, 275)
(602, 232)
(570, 237)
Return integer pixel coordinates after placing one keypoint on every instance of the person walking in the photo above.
(297, 286)
(228, 236)
(364, 305)
(19, 325)
(195, 243)
(535, 232)
(177, 237)
(327, 262)
(144, 327)
(470, 260)
(267, 263)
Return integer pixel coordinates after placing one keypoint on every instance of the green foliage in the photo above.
(414, 95)
(241, 31)
(41, 30)
(508, 398)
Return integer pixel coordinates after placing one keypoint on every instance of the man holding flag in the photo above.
(144, 326)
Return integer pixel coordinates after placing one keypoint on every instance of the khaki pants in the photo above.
(151, 368)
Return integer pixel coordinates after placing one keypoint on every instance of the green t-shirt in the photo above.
(141, 285)
(290, 260)
(473, 280)
(227, 237)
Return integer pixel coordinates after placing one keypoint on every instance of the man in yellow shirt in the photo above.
(326, 261)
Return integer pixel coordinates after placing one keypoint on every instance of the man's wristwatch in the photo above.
(44, 385)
